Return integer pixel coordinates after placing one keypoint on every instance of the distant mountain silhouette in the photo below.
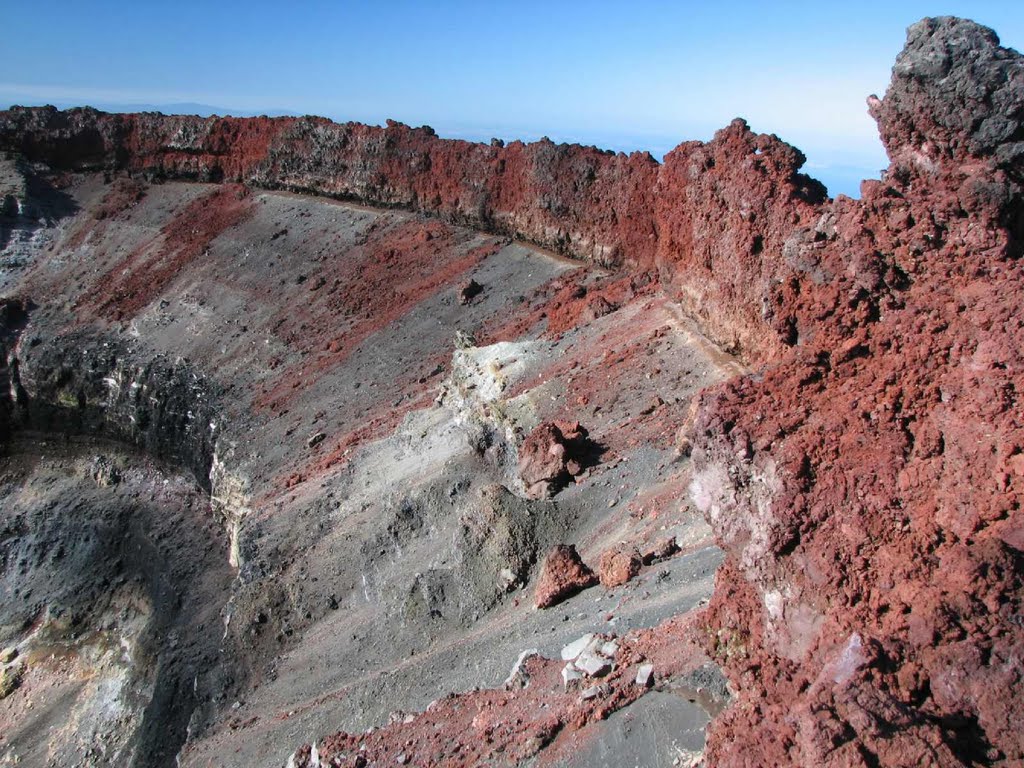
(175, 108)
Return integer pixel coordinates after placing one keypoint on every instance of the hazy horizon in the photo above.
(644, 79)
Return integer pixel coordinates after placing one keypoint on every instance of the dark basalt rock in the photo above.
(955, 93)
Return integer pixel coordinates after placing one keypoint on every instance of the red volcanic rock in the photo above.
(618, 566)
(713, 219)
(562, 575)
(579, 200)
(503, 727)
(866, 483)
(551, 454)
(725, 212)
(866, 486)
(123, 194)
(145, 273)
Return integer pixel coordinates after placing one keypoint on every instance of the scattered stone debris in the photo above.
(562, 575)
(305, 757)
(464, 340)
(590, 655)
(469, 291)
(518, 677)
(570, 676)
(592, 665)
(645, 675)
(578, 646)
(597, 306)
(661, 550)
(652, 405)
(618, 566)
(552, 454)
(105, 472)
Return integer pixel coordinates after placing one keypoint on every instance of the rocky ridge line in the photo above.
(868, 486)
(867, 482)
(689, 217)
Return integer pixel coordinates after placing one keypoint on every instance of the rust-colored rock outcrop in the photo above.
(551, 455)
(868, 486)
(618, 566)
(867, 481)
(703, 219)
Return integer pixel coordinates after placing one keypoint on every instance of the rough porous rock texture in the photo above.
(703, 218)
(618, 566)
(551, 455)
(563, 573)
(868, 485)
(865, 481)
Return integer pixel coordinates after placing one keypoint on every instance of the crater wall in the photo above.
(866, 480)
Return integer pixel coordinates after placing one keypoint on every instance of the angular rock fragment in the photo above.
(570, 676)
(618, 566)
(591, 693)
(592, 665)
(10, 679)
(661, 550)
(645, 675)
(571, 651)
(518, 678)
(552, 454)
(562, 575)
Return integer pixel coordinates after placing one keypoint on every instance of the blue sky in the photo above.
(639, 75)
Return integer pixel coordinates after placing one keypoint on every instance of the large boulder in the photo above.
(552, 454)
(562, 575)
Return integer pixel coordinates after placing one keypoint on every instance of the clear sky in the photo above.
(626, 75)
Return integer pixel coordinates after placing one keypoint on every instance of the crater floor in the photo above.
(359, 475)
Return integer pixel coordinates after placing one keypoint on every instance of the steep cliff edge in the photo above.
(711, 210)
(866, 481)
(868, 487)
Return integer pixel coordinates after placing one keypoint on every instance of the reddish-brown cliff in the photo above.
(715, 209)
(868, 486)
(867, 481)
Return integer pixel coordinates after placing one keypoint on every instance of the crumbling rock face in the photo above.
(85, 384)
(868, 485)
(725, 210)
(712, 219)
(955, 95)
